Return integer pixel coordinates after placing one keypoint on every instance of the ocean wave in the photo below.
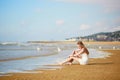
(27, 57)
(16, 49)
(30, 63)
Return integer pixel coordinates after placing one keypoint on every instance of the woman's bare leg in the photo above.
(70, 56)
(75, 58)
(67, 60)
(70, 59)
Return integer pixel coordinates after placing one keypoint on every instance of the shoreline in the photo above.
(73, 42)
(97, 69)
(20, 58)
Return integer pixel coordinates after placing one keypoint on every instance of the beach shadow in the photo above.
(105, 63)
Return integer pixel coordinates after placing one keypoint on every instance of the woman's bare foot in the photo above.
(61, 63)
(69, 63)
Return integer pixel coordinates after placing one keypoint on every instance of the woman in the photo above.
(80, 55)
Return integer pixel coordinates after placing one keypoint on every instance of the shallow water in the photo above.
(24, 57)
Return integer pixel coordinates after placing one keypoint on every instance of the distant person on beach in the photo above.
(80, 55)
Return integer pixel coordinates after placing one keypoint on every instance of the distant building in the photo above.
(101, 37)
(71, 39)
(77, 39)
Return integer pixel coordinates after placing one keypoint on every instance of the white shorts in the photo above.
(84, 59)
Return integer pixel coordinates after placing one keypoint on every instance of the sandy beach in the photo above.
(74, 42)
(97, 69)
(59, 39)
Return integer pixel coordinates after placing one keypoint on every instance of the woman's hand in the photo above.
(75, 53)
(72, 54)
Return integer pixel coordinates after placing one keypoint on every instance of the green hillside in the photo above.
(102, 36)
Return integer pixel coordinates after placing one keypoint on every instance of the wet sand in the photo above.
(97, 69)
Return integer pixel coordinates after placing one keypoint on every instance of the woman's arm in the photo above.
(81, 51)
(73, 53)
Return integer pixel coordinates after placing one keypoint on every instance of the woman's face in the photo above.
(79, 46)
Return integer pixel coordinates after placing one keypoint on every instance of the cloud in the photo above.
(102, 26)
(116, 28)
(76, 1)
(117, 21)
(84, 27)
(101, 23)
(38, 10)
(84, 15)
(108, 5)
(24, 23)
(59, 22)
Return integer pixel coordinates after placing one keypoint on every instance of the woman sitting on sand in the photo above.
(80, 55)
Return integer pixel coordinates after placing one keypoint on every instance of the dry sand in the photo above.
(74, 42)
(97, 69)
(103, 43)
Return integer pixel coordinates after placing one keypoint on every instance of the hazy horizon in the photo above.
(39, 20)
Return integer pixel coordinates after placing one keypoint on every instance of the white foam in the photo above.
(59, 49)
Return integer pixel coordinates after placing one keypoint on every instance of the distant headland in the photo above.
(102, 36)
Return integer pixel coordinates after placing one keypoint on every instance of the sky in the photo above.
(36, 20)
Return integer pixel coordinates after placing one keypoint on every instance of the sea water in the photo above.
(26, 57)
